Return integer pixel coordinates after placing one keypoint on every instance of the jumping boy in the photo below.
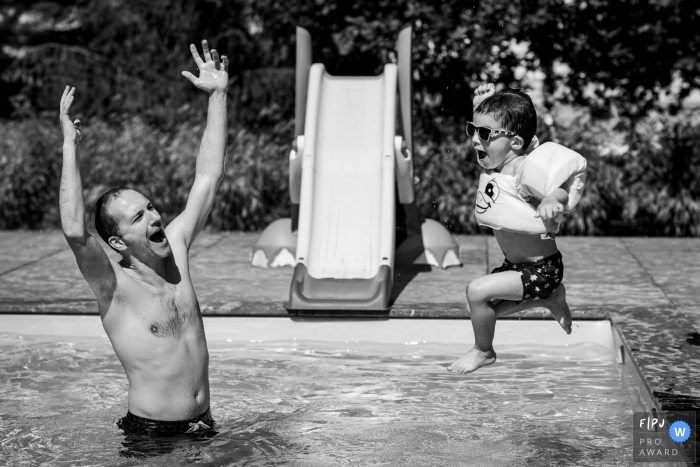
(503, 128)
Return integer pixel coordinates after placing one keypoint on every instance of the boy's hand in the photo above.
(213, 74)
(71, 129)
(481, 93)
(549, 209)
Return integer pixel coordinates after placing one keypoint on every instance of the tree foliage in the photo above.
(125, 58)
(129, 53)
(626, 53)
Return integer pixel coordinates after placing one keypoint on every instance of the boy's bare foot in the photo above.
(556, 304)
(473, 360)
(481, 93)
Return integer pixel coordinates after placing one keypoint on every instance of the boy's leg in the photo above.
(498, 286)
(555, 303)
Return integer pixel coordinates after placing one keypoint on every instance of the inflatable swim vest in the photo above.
(549, 167)
(499, 206)
(501, 202)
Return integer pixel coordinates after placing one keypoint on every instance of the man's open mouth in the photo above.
(158, 236)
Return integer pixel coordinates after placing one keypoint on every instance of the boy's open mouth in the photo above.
(158, 236)
(480, 154)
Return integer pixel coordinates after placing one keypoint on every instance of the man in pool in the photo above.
(146, 301)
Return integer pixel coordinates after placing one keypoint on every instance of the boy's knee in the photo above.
(476, 292)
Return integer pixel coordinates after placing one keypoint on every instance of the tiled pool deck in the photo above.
(650, 287)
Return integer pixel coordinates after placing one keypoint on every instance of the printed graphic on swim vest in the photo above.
(664, 437)
(488, 198)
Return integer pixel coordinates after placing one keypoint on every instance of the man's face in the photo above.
(141, 227)
(493, 152)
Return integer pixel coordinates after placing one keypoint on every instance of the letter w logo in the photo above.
(680, 432)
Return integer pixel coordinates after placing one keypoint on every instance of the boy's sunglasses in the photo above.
(484, 133)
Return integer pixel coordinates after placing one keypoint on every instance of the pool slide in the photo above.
(351, 178)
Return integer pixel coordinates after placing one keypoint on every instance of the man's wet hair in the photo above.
(513, 109)
(107, 225)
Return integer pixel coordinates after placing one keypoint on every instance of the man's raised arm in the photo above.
(213, 78)
(92, 260)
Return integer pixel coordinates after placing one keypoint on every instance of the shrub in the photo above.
(648, 186)
(30, 167)
(157, 163)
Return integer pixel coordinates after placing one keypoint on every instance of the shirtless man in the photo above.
(146, 300)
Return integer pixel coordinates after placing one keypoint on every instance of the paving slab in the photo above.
(667, 353)
(674, 268)
(18, 248)
(692, 313)
(223, 274)
(602, 274)
(54, 277)
(600, 271)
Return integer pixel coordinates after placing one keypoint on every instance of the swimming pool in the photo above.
(317, 393)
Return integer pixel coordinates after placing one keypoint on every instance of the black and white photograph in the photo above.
(350, 233)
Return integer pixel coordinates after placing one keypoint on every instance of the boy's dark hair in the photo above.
(107, 225)
(513, 108)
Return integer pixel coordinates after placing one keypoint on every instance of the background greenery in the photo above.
(615, 76)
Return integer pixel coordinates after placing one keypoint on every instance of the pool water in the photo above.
(312, 403)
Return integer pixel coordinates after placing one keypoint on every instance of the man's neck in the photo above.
(144, 269)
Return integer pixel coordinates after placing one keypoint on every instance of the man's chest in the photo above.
(165, 310)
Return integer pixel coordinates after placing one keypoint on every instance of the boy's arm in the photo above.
(209, 170)
(92, 260)
(553, 205)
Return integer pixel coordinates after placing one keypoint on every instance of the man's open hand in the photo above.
(71, 129)
(213, 74)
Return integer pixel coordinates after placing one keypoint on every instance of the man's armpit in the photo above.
(96, 267)
(107, 290)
